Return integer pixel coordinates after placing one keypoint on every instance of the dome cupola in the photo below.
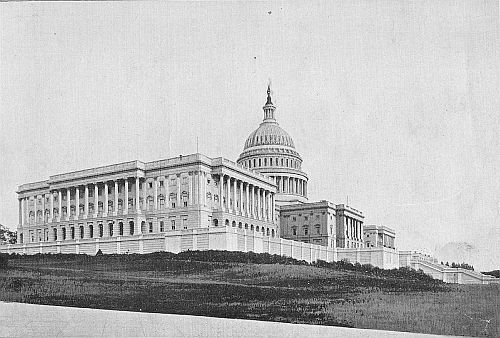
(271, 151)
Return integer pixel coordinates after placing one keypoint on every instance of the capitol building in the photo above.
(258, 203)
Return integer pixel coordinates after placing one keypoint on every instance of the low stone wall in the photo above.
(222, 238)
(384, 258)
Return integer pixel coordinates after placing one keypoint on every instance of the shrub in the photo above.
(4, 261)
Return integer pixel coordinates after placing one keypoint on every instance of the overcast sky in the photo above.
(392, 103)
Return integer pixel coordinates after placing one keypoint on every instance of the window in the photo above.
(294, 218)
(63, 235)
(306, 230)
(172, 222)
(305, 218)
(110, 226)
(184, 223)
(101, 230)
(294, 231)
(150, 226)
(120, 228)
(162, 226)
(72, 232)
(91, 193)
(317, 229)
(161, 183)
(150, 184)
(162, 202)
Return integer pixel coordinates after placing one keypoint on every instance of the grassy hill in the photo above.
(254, 286)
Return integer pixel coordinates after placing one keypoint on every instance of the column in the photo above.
(137, 204)
(96, 205)
(125, 203)
(190, 188)
(267, 206)
(20, 211)
(155, 194)
(221, 191)
(86, 202)
(247, 202)
(254, 205)
(178, 203)
(144, 189)
(59, 199)
(77, 204)
(68, 203)
(51, 211)
(203, 188)
(273, 206)
(34, 206)
(115, 203)
(43, 208)
(257, 204)
(241, 198)
(234, 196)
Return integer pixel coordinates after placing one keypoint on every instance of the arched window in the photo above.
(64, 234)
(257, 228)
(227, 222)
(54, 230)
(263, 230)
(81, 231)
(143, 227)
(282, 162)
(91, 231)
(272, 232)
(120, 228)
(32, 217)
(101, 230)
(240, 225)
(185, 198)
(246, 226)
(172, 199)
(233, 224)
(265, 162)
(254, 162)
(271, 161)
(110, 228)
(150, 203)
(215, 222)
(251, 227)
(131, 225)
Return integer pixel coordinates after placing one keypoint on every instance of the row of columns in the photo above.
(196, 195)
(254, 201)
(354, 228)
(291, 185)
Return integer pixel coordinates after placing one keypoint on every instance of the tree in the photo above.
(7, 236)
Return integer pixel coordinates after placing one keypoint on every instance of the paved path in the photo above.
(28, 320)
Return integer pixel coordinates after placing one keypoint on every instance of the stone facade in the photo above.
(379, 236)
(136, 198)
(309, 223)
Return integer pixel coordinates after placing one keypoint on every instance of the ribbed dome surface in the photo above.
(269, 133)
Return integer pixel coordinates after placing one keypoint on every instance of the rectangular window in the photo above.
(162, 227)
(161, 183)
(173, 204)
(150, 184)
(150, 226)
(173, 224)
(185, 203)
(184, 223)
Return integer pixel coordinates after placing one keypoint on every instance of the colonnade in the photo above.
(84, 201)
(354, 228)
(291, 185)
(246, 199)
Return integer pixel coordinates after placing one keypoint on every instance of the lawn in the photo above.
(238, 285)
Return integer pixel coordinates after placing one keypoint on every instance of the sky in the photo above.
(393, 105)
